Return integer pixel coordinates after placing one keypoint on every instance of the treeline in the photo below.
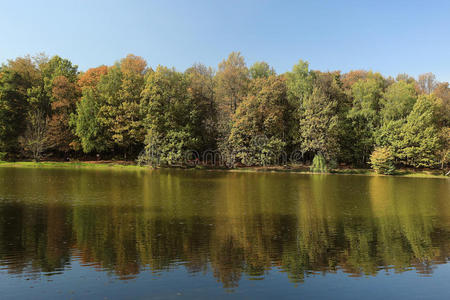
(48, 107)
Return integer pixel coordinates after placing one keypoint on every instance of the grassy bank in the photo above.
(77, 164)
(348, 171)
(127, 165)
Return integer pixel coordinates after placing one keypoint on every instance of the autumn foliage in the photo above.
(49, 108)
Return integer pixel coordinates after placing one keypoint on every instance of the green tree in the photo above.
(396, 105)
(419, 135)
(13, 109)
(261, 69)
(259, 131)
(232, 81)
(92, 134)
(398, 101)
(121, 91)
(55, 94)
(109, 116)
(319, 164)
(406, 78)
(17, 79)
(442, 92)
(231, 87)
(87, 128)
(299, 84)
(364, 114)
(28, 68)
(170, 116)
(201, 88)
(319, 124)
(382, 161)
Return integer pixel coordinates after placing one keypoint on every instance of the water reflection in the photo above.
(229, 225)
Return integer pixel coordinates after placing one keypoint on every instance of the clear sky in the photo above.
(390, 37)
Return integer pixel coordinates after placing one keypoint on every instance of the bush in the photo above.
(382, 161)
(319, 164)
(3, 156)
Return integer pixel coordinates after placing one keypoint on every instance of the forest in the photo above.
(49, 109)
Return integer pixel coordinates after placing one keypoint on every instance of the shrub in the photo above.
(319, 164)
(3, 156)
(382, 161)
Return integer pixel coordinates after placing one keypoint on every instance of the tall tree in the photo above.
(201, 87)
(232, 81)
(109, 115)
(259, 131)
(364, 114)
(419, 135)
(17, 78)
(300, 84)
(123, 108)
(261, 69)
(28, 68)
(91, 77)
(86, 124)
(92, 134)
(398, 101)
(442, 92)
(340, 136)
(406, 78)
(13, 109)
(55, 95)
(396, 105)
(34, 141)
(65, 94)
(352, 77)
(170, 116)
(427, 82)
(319, 124)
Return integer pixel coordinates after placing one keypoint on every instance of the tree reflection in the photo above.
(230, 223)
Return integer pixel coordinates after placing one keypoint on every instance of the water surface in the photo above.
(77, 233)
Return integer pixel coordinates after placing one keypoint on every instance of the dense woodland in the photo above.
(48, 108)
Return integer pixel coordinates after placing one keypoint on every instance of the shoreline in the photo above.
(129, 165)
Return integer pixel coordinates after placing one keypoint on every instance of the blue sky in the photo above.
(387, 36)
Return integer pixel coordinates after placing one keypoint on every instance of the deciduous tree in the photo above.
(419, 135)
(13, 109)
(170, 116)
(260, 125)
(261, 69)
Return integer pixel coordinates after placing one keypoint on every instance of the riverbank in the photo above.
(72, 164)
(129, 165)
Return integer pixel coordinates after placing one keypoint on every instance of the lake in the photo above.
(167, 234)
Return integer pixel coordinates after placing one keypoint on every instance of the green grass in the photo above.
(420, 174)
(47, 164)
(365, 172)
(291, 169)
